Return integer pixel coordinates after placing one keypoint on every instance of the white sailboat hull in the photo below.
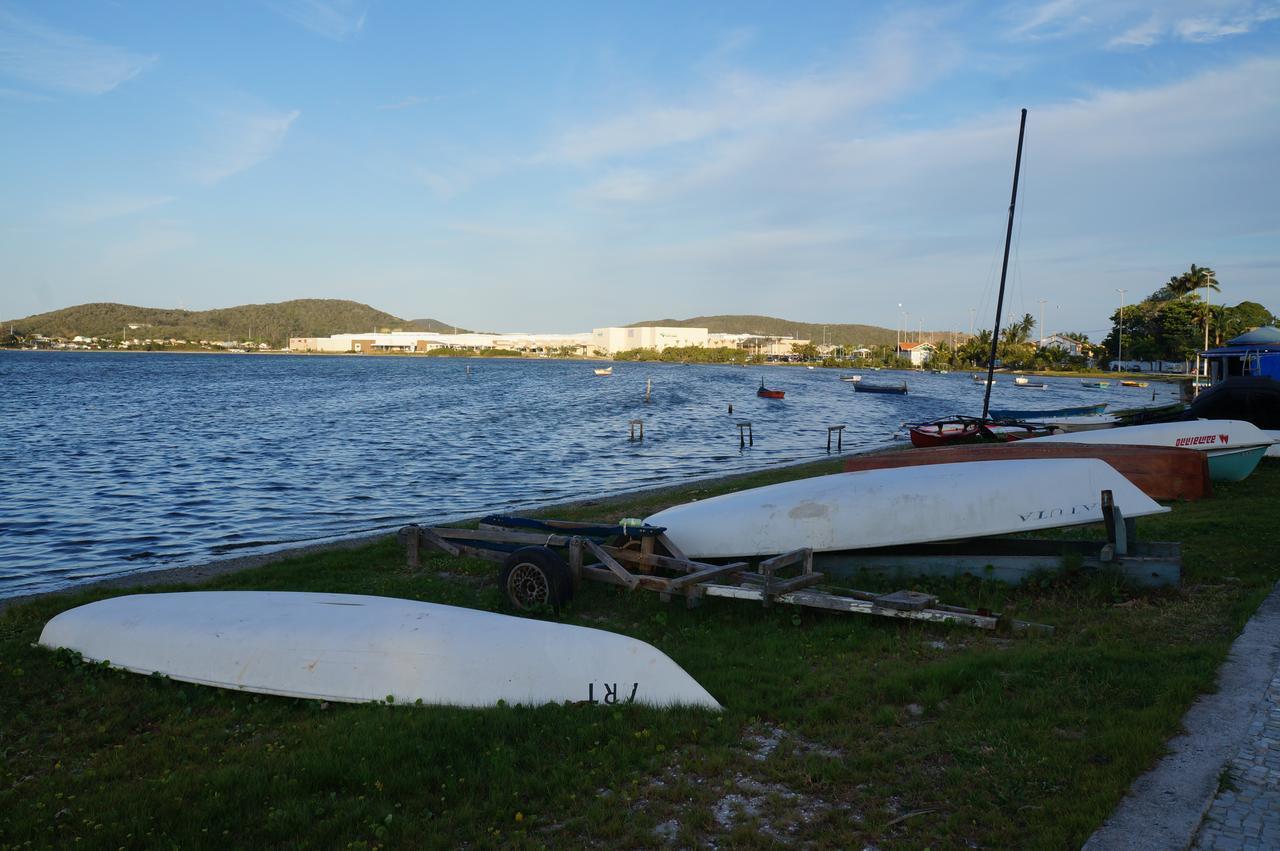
(881, 508)
(343, 647)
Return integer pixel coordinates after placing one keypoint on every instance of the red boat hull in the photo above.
(1162, 472)
(770, 394)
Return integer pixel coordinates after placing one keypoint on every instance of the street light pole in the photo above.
(898, 346)
(1120, 332)
(1042, 301)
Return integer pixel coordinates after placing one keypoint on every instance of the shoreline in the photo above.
(204, 571)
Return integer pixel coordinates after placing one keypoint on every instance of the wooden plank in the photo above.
(629, 579)
(411, 546)
(677, 564)
(505, 536)
(850, 605)
(769, 565)
(438, 542)
(794, 583)
(670, 546)
(603, 574)
(714, 572)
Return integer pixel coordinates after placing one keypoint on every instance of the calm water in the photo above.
(116, 463)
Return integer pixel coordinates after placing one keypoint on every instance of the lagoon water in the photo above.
(117, 463)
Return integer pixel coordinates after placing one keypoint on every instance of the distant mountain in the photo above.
(836, 334)
(270, 323)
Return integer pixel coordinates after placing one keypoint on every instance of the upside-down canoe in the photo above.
(912, 505)
(354, 648)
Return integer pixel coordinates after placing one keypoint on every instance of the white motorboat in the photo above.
(1234, 447)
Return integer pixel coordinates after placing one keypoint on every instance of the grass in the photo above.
(838, 731)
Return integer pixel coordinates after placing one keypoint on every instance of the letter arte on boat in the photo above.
(1082, 510)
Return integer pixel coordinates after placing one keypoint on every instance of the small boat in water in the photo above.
(913, 505)
(864, 387)
(1084, 382)
(1031, 385)
(1162, 472)
(959, 430)
(605, 371)
(355, 648)
(1129, 383)
(851, 378)
(766, 393)
(1234, 447)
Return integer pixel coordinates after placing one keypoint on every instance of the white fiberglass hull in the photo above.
(1227, 442)
(345, 647)
(909, 505)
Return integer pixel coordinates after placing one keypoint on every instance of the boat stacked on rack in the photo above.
(1233, 447)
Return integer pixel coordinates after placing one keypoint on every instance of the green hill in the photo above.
(270, 323)
(836, 334)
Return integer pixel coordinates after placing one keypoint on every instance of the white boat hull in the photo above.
(881, 508)
(1230, 444)
(344, 647)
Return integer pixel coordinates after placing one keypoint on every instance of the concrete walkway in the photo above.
(1236, 727)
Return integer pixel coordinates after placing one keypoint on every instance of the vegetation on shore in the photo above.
(837, 731)
(269, 323)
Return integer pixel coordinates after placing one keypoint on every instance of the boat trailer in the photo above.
(635, 556)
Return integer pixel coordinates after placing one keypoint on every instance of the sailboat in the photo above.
(958, 429)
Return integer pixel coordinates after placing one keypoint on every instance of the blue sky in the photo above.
(553, 167)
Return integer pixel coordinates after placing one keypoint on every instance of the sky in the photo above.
(561, 166)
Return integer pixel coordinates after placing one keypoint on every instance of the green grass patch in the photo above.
(838, 731)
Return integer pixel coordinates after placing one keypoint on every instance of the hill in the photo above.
(269, 323)
(836, 334)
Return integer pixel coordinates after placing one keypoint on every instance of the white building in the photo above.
(1065, 344)
(610, 341)
(425, 341)
(919, 353)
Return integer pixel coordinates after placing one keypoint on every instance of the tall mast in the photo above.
(1004, 268)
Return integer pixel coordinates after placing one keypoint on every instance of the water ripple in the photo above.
(118, 463)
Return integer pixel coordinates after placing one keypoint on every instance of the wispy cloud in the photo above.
(241, 140)
(333, 19)
(410, 100)
(103, 209)
(1139, 23)
(62, 61)
(738, 103)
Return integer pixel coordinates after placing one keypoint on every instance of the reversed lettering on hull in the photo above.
(1202, 440)
(610, 696)
(1087, 509)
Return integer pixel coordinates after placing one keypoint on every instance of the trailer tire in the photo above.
(536, 577)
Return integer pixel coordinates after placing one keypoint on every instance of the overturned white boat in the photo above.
(907, 505)
(344, 647)
(1234, 447)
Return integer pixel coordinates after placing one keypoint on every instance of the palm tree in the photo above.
(1186, 284)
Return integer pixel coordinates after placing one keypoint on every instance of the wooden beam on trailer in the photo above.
(628, 578)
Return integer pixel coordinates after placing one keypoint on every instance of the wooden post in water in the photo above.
(745, 435)
(635, 423)
(648, 388)
(839, 430)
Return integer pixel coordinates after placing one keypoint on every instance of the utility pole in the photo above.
(898, 347)
(1120, 332)
(1042, 301)
(972, 311)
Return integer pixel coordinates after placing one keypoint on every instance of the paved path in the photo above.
(1238, 725)
(1246, 815)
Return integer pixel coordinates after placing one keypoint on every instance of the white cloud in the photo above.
(102, 209)
(241, 140)
(901, 56)
(1141, 23)
(333, 19)
(61, 61)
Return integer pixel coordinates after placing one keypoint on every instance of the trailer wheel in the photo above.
(534, 577)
